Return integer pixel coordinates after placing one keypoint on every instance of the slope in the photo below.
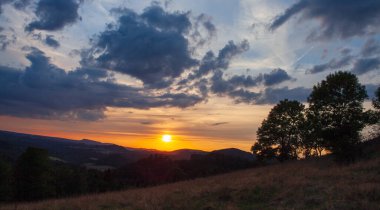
(306, 184)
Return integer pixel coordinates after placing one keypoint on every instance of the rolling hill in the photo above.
(306, 184)
(94, 154)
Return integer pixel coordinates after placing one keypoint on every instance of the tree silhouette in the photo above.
(281, 132)
(263, 152)
(374, 115)
(312, 143)
(336, 109)
(376, 100)
(33, 177)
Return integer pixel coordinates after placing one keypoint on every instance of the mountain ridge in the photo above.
(91, 152)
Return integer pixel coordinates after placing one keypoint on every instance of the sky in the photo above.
(205, 72)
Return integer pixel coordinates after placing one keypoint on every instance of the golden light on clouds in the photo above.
(217, 124)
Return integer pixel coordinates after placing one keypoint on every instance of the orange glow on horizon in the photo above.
(145, 141)
(218, 124)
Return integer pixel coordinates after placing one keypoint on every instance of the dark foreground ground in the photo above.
(307, 184)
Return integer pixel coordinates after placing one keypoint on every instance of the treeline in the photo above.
(35, 177)
(331, 123)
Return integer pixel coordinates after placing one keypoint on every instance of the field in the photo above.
(307, 184)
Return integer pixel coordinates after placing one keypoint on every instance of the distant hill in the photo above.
(184, 154)
(91, 153)
(235, 153)
(318, 183)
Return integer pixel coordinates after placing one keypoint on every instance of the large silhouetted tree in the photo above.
(281, 132)
(33, 177)
(336, 107)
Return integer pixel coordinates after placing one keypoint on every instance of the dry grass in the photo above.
(312, 184)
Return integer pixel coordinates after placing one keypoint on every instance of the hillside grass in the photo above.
(306, 184)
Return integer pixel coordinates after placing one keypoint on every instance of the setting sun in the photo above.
(166, 138)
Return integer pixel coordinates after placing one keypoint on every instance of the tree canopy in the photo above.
(281, 133)
(337, 106)
(333, 121)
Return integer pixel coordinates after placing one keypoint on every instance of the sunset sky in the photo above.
(205, 72)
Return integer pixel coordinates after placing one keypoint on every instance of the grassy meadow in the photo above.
(305, 184)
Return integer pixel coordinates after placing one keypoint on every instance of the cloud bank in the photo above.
(53, 15)
(152, 46)
(42, 90)
(337, 18)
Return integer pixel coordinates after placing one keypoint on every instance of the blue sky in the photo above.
(97, 62)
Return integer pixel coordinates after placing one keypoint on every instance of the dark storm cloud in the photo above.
(151, 46)
(274, 95)
(51, 41)
(365, 61)
(222, 87)
(333, 64)
(219, 85)
(214, 66)
(365, 65)
(245, 81)
(154, 46)
(211, 63)
(276, 76)
(53, 15)
(338, 18)
(157, 17)
(281, 19)
(370, 48)
(229, 51)
(43, 90)
(237, 87)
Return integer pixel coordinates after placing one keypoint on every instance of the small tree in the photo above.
(336, 106)
(281, 131)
